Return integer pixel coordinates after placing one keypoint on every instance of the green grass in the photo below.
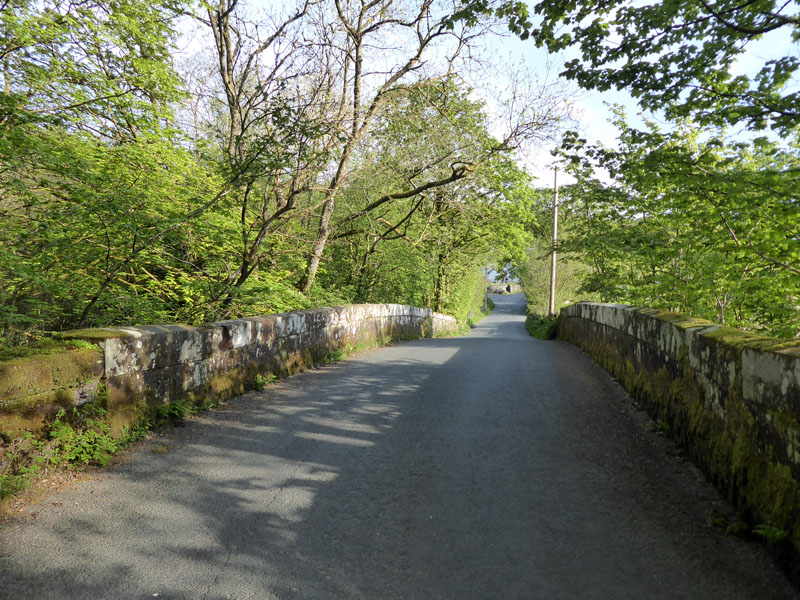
(262, 381)
(334, 355)
(474, 319)
(80, 436)
(770, 533)
(543, 328)
(75, 438)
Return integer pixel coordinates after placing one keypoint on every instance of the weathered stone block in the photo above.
(772, 376)
(235, 334)
(38, 374)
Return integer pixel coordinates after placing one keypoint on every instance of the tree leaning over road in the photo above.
(410, 41)
(676, 56)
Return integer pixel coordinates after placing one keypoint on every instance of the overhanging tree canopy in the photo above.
(677, 55)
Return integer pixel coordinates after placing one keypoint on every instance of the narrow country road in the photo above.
(491, 466)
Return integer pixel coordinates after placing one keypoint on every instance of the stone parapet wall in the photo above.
(137, 369)
(732, 398)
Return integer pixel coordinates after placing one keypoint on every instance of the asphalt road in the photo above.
(490, 466)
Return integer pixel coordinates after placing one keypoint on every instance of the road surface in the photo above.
(489, 466)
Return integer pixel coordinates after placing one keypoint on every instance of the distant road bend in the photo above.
(491, 466)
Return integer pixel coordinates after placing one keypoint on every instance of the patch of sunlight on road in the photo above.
(337, 423)
(333, 439)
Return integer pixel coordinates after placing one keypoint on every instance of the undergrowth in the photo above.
(81, 437)
(474, 319)
(76, 438)
(543, 328)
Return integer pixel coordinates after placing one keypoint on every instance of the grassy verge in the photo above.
(543, 328)
(475, 318)
(76, 439)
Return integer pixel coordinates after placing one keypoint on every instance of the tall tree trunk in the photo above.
(323, 233)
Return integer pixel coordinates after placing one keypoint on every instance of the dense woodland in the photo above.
(167, 161)
(328, 152)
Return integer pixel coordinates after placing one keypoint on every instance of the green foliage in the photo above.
(692, 224)
(11, 484)
(334, 355)
(680, 56)
(172, 413)
(543, 328)
(770, 533)
(22, 462)
(430, 249)
(477, 314)
(116, 213)
(74, 438)
(81, 436)
(95, 66)
(571, 269)
(138, 431)
(262, 381)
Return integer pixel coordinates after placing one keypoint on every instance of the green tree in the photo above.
(429, 247)
(403, 37)
(571, 271)
(271, 142)
(677, 56)
(97, 66)
(694, 224)
(130, 195)
(93, 177)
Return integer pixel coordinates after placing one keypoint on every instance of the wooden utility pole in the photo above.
(555, 246)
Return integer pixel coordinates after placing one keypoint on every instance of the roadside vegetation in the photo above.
(81, 437)
(543, 328)
(309, 154)
(534, 273)
(697, 209)
(318, 153)
(690, 225)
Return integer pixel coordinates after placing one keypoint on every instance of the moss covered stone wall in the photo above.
(730, 397)
(136, 370)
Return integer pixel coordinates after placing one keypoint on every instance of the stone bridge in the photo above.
(490, 465)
